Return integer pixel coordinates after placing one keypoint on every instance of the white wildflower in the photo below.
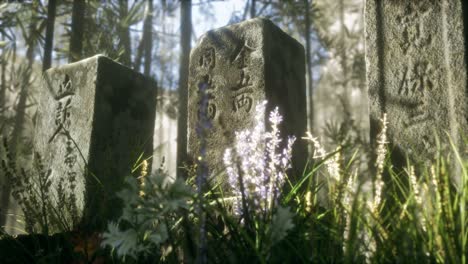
(332, 163)
(377, 196)
(417, 195)
(380, 162)
(350, 191)
(436, 190)
(414, 185)
(308, 202)
(348, 196)
(258, 161)
(319, 151)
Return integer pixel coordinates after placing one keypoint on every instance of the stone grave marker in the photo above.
(416, 73)
(240, 66)
(95, 118)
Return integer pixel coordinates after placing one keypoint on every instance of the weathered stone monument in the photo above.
(95, 118)
(238, 67)
(417, 73)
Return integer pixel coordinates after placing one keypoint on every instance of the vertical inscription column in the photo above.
(63, 121)
(242, 92)
(417, 77)
(416, 73)
(207, 62)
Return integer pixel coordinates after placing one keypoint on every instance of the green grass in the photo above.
(336, 212)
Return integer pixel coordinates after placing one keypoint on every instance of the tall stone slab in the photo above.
(417, 73)
(95, 118)
(240, 66)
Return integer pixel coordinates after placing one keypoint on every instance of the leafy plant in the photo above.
(151, 211)
(156, 212)
(391, 216)
(405, 218)
(46, 210)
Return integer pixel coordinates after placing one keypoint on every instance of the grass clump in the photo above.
(340, 210)
(47, 209)
(336, 212)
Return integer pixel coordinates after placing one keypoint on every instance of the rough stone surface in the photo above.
(416, 73)
(242, 65)
(94, 120)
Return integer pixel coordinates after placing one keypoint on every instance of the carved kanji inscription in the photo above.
(416, 72)
(417, 79)
(234, 68)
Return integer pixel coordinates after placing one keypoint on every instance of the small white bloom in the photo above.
(262, 163)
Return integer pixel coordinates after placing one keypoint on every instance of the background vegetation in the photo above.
(337, 212)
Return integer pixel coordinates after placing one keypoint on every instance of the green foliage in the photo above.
(151, 210)
(280, 225)
(415, 215)
(46, 209)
